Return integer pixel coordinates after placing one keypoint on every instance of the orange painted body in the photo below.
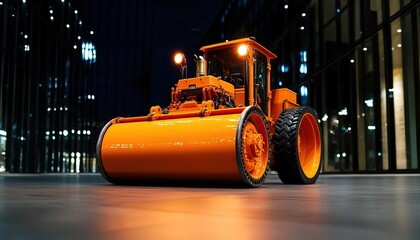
(282, 99)
(179, 149)
(212, 131)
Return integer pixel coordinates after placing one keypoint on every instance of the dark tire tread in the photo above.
(285, 140)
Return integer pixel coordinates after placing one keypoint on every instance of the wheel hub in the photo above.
(256, 145)
(253, 149)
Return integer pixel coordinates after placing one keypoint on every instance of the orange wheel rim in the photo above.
(309, 145)
(254, 147)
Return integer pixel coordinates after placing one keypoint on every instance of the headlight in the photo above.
(179, 59)
(243, 50)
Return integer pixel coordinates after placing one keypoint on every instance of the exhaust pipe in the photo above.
(201, 66)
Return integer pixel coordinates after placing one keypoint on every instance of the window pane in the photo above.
(376, 7)
(329, 10)
(345, 27)
(402, 38)
(397, 93)
(383, 103)
(371, 105)
(336, 117)
(396, 5)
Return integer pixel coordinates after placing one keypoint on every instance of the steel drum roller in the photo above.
(195, 149)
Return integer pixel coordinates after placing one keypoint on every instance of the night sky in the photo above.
(135, 42)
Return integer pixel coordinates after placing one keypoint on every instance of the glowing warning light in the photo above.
(179, 58)
(242, 50)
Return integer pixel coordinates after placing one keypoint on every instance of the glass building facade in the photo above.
(47, 58)
(69, 66)
(355, 62)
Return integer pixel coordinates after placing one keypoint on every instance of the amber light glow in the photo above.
(179, 58)
(243, 50)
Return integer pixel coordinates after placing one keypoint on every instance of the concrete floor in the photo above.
(84, 206)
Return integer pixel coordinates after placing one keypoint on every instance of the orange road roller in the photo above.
(223, 126)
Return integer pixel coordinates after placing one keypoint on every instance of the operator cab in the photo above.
(228, 65)
(234, 62)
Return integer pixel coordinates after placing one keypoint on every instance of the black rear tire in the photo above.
(297, 158)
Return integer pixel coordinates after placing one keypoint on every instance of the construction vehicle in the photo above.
(223, 126)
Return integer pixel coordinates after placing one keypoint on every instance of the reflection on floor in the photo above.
(84, 206)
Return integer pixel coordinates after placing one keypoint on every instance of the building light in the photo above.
(286, 6)
(343, 112)
(302, 28)
(67, 25)
(352, 60)
(88, 52)
(303, 56)
(399, 30)
(303, 14)
(372, 128)
(1, 3)
(303, 59)
(76, 12)
(303, 91)
(399, 45)
(369, 102)
(396, 90)
(75, 46)
(284, 68)
(27, 48)
(364, 49)
(325, 118)
(3, 133)
(25, 36)
(91, 32)
(303, 68)
(52, 18)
